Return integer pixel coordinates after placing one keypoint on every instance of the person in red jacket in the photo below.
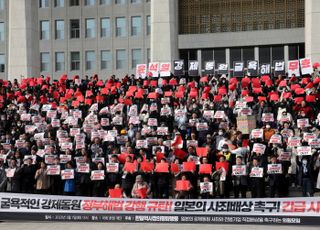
(305, 110)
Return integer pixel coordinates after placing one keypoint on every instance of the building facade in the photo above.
(84, 37)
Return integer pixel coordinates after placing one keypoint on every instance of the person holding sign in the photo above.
(140, 188)
(99, 186)
(128, 176)
(239, 178)
(206, 188)
(257, 180)
(42, 179)
(14, 177)
(276, 178)
(183, 188)
(69, 184)
(162, 178)
(305, 175)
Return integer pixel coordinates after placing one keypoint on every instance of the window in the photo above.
(58, 3)
(2, 33)
(75, 28)
(135, 25)
(277, 53)
(59, 29)
(75, 61)
(136, 57)
(43, 3)
(74, 2)
(293, 52)
(206, 55)
(105, 2)
(121, 59)
(105, 30)
(148, 25)
(135, 1)
(219, 56)
(247, 55)
(2, 63)
(105, 60)
(1, 4)
(235, 55)
(264, 55)
(45, 60)
(120, 2)
(45, 31)
(89, 2)
(90, 60)
(90, 28)
(121, 27)
(59, 61)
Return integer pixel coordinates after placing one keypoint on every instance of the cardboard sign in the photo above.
(209, 68)
(97, 160)
(239, 170)
(130, 167)
(67, 174)
(265, 69)
(165, 111)
(284, 156)
(51, 113)
(192, 143)
(74, 131)
(55, 123)
(178, 67)
(143, 192)
(152, 141)
(252, 68)
(202, 151)
(314, 143)
(25, 117)
(222, 68)
(304, 122)
(274, 169)
(165, 69)
(293, 68)
(267, 117)
(257, 134)
(304, 151)
(279, 68)
(294, 141)
(162, 168)
(309, 136)
(64, 158)
(154, 69)
(162, 131)
(66, 145)
(175, 168)
(258, 148)
(224, 165)
(306, 66)
(134, 120)
(182, 185)
(202, 126)
(141, 71)
(10, 172)
(83, 168)
(275, 139)
(141, 144)
(219, 115)
(117, 120)
(208, 114)
(115, 193)
(112, 167)
(152, 122)
(49, 159)
(105, 122)
(97, 175)
(189, 166)
(238, 68)
(206, 187)
(256, 172)
(193, 69)
(205, 168)
(53, 170)
(179, 112)
(146, 167)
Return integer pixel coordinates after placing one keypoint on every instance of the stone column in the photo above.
(23, 50)
(164, 30)
(312, 31)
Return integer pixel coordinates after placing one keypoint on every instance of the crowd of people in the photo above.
(173, 137)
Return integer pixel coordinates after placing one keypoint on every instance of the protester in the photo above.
(55, 134)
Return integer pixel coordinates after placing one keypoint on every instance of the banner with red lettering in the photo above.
(306, 66)
(141, 71)
(154, 69)
(293, 68)
(282, 211)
